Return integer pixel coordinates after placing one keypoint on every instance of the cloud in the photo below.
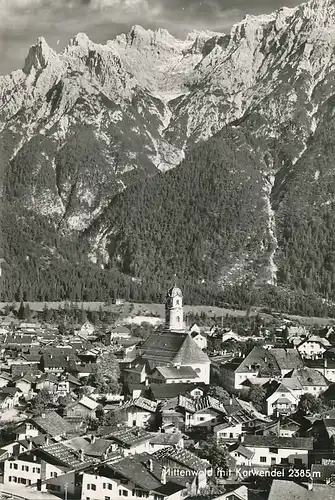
(22, 21)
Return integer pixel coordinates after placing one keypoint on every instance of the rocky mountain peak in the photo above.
(39, 56)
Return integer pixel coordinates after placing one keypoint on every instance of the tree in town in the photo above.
(42, 401)
(257, 397)
(106, 377)
(309, 404)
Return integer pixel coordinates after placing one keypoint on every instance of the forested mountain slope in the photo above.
(210, 158)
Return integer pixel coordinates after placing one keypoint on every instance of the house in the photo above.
(242, 456)
(313, 347)
(311, 381)
(25, 383)
(174, 375)
(85, 370)
(175, 459)
(200, 338)
(135, 477)
(84, 408)
(230, 335)
(229, 431)
(131, 440)
(273, 450)
(323, 431)
(165, 392)
(51, 363)
(101, 449)
(86, 330)
(283, 427)
(47, 381)
(36, 466)
(203, 413)
(139, 412)
(163, 440)
(136, 373)
(5, 378)
(306, 491)
(324, 366)
(119, 332)
(9, 397)
(48, 423)
(260, 362)
(282, 401)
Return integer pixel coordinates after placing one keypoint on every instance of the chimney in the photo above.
(230, 401)
(67, 358)
(310, 485)
(43, 415)
(92, 439)
(229, 419)
(81, 455)
(150, 465)
(242, 438)
(30, 444)
(163, 475)
(22, 374)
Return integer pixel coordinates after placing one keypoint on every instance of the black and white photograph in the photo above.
(167, 249)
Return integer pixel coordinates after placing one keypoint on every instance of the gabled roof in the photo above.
(296, 443)
(309, 377)
(129, 436)
(88, 403)
(190, 353)
(176, 348)
(245, 452)
(142, 403)
(51, 423)
(287, 359)
(260, 360)
(173, 372)
(182, 457)
(66, 455)
(169, 391)
(288, 489)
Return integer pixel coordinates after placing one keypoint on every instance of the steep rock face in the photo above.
(79, 127)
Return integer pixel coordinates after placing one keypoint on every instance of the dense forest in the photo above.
(204, 222)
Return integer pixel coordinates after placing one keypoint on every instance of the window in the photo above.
(93, 487)
(107, 498)
(110, 486)
(10, 478)
(38, 470)
(231, 435)
(201, 419)
(10, 465)
(125, 493)
(104, 485)
(273, 450)
(15, 466)
(263, 459)
(88, 486)
(178, 319)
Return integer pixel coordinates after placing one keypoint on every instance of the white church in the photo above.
(172, 355)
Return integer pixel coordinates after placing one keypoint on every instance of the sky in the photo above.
(23, 21)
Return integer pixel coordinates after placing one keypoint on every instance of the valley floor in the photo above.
(137, 309)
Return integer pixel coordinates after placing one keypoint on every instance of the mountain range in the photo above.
(210, 158)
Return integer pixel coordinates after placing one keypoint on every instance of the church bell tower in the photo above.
(174, 314)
